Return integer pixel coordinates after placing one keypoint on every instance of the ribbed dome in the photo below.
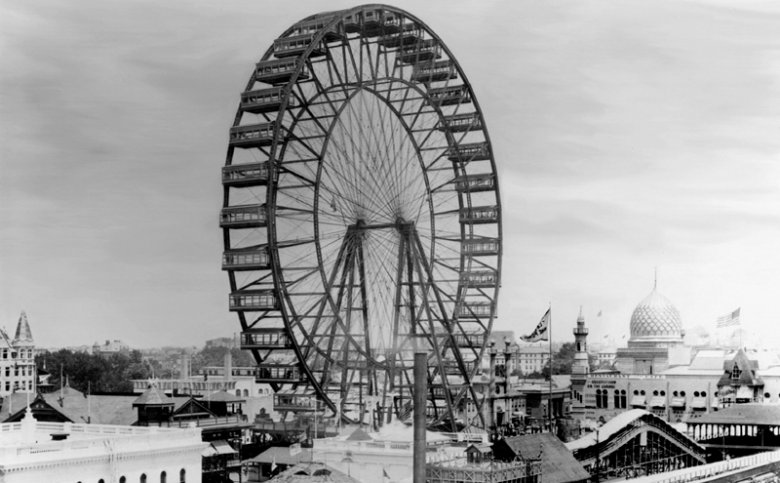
(656, 318)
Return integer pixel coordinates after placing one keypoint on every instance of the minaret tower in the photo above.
(580, 367)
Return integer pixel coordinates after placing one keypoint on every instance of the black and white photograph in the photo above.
(498, 241)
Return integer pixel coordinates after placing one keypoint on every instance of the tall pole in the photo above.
(549, 396)
(420, 390)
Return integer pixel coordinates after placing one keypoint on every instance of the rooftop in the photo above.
(31, 441)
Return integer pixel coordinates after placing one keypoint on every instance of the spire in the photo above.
(23, 333)
(655, 279)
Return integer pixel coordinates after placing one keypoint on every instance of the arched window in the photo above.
(142, 479)
(122, 479)
(163, 477)
(246, 392)
(598, 398)
(183, 476)
(101, 481)
(238, 392)
(623, 399)
(617, 398)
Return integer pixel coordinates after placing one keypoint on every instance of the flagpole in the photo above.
(549, 400)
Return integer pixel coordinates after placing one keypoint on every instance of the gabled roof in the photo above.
(359, 435)
(75, 406)
(747, 368)
(224, 396)
(558, 464)
(153, 396)
(192, 408)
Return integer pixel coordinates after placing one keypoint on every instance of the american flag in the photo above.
(729, 320)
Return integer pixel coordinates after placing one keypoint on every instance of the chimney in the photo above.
(228, 366)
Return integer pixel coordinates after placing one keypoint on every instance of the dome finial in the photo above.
(655, 279)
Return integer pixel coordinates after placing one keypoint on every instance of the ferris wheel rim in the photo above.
(278, 270)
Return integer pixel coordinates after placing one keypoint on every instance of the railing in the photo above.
(199, 423)
(699, 473)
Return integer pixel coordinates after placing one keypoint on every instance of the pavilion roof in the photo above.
(751, 413)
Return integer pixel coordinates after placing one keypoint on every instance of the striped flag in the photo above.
(729, 320)
(542, 330)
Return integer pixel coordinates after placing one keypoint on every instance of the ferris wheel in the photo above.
(361, 217)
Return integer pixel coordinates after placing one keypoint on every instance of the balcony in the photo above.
(434, 71)
(295, 46)
(254, 258)
(448, 96)
(480, 246)
(253, 300)
(468, 152)
(279, 71)
(245, 216)
(263, 100)
(242, 175)
(254, 135)
(271, 338)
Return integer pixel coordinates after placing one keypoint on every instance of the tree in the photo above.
(562, 360)
(92, 372)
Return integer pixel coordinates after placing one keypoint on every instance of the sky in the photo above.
(627, 135)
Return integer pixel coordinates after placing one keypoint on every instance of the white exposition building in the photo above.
(36, 452)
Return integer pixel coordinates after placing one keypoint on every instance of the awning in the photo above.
(658, 402)
(699, 403)
(281, 456)
(223, 447)
(638, 401)
(678, 402)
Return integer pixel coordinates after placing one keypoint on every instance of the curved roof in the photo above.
(655, 318)
(616, 424)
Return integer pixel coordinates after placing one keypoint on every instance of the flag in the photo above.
(729, 320)
(542, 331)
(385, 476)
(273, 465)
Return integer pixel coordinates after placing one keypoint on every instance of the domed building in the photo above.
(656, 340)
